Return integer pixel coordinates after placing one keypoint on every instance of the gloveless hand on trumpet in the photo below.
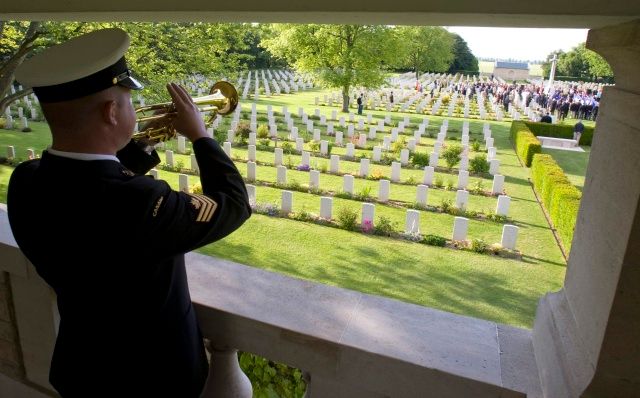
(162, 122)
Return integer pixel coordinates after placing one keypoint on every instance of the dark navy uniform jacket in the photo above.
(111, 244)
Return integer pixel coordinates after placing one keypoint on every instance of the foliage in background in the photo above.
(426, 48)
(580, 63)
(271, 379)
(463, 58)
(341, 56)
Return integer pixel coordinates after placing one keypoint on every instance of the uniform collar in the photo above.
(82, 156)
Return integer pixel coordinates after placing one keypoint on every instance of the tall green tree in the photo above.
(463, 58)
(342, 56)
(580, 63)
(17, 40)
(426, 48)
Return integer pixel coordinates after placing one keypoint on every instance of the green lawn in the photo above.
(484, 286)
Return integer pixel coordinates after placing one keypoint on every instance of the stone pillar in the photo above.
(225, 376)
(586, 336)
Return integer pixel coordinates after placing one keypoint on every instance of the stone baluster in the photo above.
(226, 379)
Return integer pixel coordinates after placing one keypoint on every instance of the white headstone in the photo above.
(227, 148)
(314, 179)
(368, 212)
(168, 155)
(498, 182)
(502, 209)
(334, 166)
(463, 179)
(251, 171)
(299, 144)
(395, 171)
(362, 140)
(231, 136)
(11, 152)
(372, 133)
(326, 206)
(347, 185)
(183, 183)
(316, 134)
(364, 167)
(287, 201)
(350, 150)
(377, 153)
(384, 187)
(306, 158)
(491, 153)
(489, 142)
(462, 198)
(277, 156)
(154, 174)
(433, 159)
(252, 139)
(509, 237)
(412, 224)
(460, 225)
(464, 162)
(251, 191)
(194, 163)
(324, 147)
(338, 138)
(281, 175)
(494, 165)
(404, 156)
(421, 194)
(428, 175)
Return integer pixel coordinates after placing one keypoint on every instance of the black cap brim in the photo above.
(130, 82)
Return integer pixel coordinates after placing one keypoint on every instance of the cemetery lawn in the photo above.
(479, 285)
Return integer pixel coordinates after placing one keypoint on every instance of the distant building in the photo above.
(511, 70)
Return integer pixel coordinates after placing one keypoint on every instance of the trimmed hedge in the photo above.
(526, 143)
(560, 131)
(558, 195)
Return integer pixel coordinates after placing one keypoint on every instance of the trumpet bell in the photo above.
(222, 99)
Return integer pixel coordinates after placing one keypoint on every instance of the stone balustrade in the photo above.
(349, 344)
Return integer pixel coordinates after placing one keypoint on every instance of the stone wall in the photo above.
(11, 363)
(511, 74)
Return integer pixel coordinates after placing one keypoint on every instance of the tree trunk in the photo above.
(345, 99)
(8, 68)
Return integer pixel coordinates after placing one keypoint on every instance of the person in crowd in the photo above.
(546, 118)
(578, 129)
(127, 324)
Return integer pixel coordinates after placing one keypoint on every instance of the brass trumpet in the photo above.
(158, 127)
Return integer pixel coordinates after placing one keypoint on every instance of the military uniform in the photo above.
(111, 241)
(127, 325)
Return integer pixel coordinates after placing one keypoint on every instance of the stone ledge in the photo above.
(358, 340)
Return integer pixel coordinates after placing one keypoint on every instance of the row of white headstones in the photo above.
(412, 224)
(362, 137)
(384, 188)
(29, 100)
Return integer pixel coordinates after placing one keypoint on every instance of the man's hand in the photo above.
(188, 121)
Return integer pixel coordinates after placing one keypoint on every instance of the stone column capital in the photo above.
(620, 46)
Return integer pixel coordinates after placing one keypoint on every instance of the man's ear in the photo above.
(109, 112)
